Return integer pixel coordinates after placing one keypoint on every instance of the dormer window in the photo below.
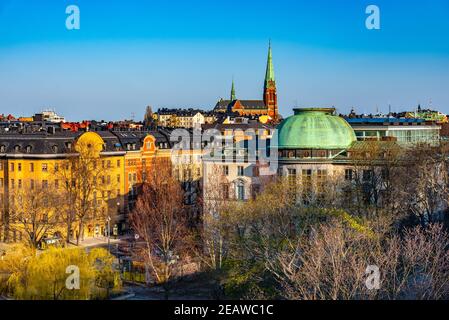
(55, 149)
(128, 146)
(29, 148)
(17, 148)
(2, 148)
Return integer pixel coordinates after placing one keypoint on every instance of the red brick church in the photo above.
(268, 106)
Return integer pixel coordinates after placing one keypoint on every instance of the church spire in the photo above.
(269, 76)
(233, 97)
(270, 93)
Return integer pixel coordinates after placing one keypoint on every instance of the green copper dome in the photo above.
(315, 128)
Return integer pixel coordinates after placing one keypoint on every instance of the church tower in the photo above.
(233, 97)
(270, 93)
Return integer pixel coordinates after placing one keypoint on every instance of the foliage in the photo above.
(277, 248)
(43, 276)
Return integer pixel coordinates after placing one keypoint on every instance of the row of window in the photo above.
(322, 174)
(44, 166)
(104, 180)
(240, 171)
(239, 191)
(29, 149)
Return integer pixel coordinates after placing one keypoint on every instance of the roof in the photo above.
(315, 128)
(236, 126)
(380, 121)
(247, 104)
(251, 104)
(58, 143)
(138, 137)
(36, 143)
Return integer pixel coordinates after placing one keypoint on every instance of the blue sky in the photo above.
(129, 54)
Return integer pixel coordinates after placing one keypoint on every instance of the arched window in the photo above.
(29, 149)
(240, 190)
(17, 148)
(2, 148)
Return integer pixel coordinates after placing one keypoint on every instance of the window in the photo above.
(118, 163)
(17, 148)
(44, 167)
(321, 181)
(348, 174)
(109, 164)
(240, 191)
(307, 186)
(12, 167)
(240, 171)
(32, 184)
(118, 178)
(292, 177)
(1, 182)
(31, 167)
(292, 173)
(225, 190)
(56, 167)
(385, 174)
(19, 167)
(44, 184)
(19, 183)
(28, 149)
(12, 184)
(57, 184)
(108, 179)
(367, 175)
(2, 149)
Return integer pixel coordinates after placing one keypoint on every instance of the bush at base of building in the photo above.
(44, 276)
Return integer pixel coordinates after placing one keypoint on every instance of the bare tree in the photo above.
(427, 187)
(332, 265)
(160, 221)
(85, 181)
(34, 211)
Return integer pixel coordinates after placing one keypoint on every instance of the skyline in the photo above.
(127, 57)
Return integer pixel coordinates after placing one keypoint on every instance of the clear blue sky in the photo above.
(129, 54)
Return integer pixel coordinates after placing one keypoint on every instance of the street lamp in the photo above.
(108, 219)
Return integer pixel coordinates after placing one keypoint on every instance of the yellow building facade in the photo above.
(42, 163)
